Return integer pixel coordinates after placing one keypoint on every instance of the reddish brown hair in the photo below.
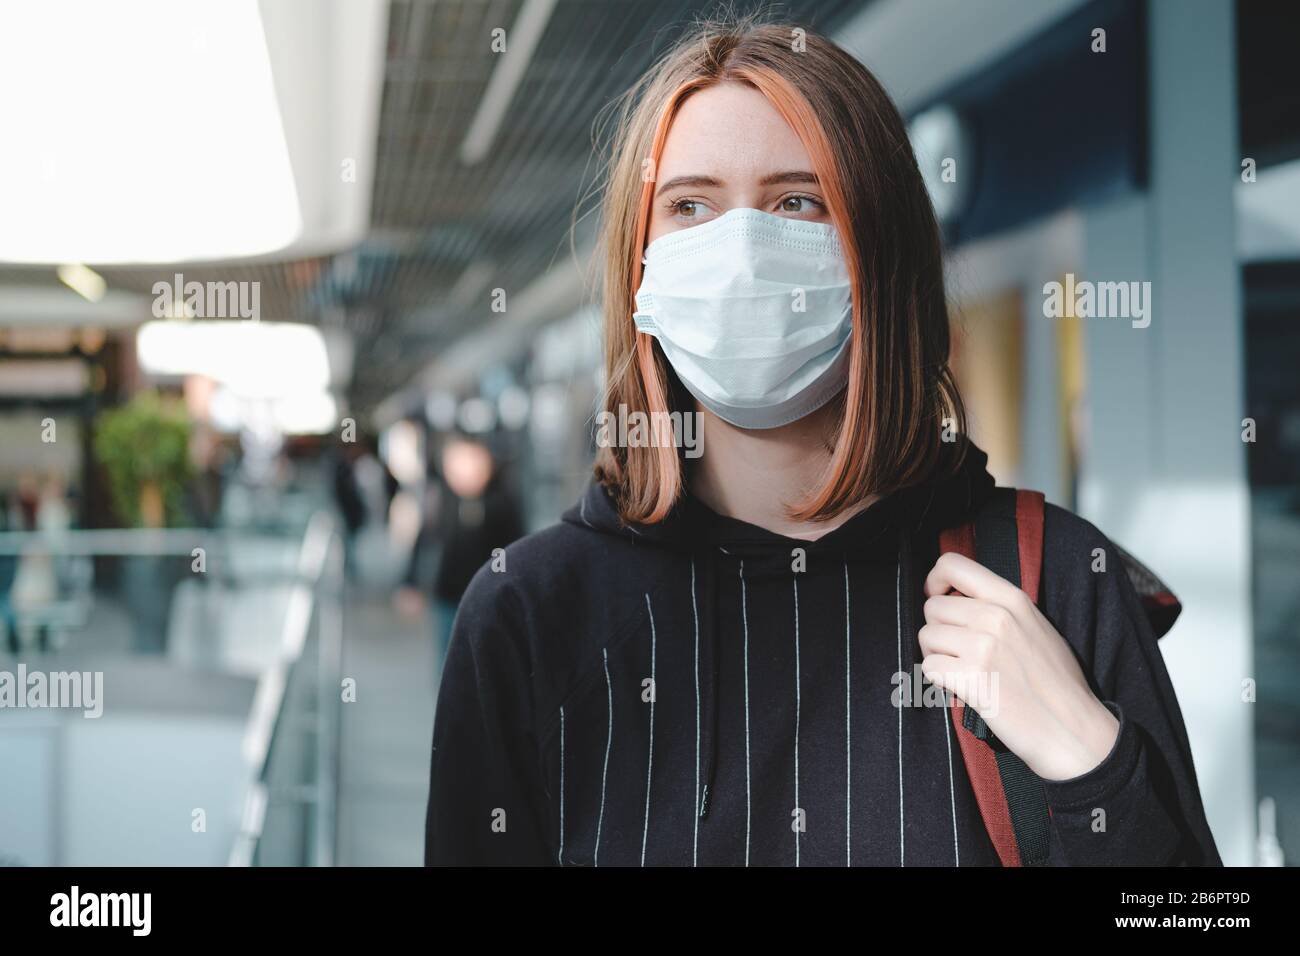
(889, 420)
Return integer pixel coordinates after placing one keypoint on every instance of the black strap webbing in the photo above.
(997, 547)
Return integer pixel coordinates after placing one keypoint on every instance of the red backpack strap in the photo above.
(1006, 536)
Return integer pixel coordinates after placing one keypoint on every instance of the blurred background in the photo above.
(297, 324)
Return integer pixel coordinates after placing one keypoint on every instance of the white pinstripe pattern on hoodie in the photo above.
(748, 729)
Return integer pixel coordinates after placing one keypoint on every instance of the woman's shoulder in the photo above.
(1075, 549)
(1067, 535)
(542, 563)
(1096, 585)
(544, 606)
(562, 579)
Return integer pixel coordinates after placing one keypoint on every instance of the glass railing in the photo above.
(170, 697)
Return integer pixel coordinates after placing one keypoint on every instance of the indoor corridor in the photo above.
(385, 735)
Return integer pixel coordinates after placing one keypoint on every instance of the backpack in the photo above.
(1006, 536)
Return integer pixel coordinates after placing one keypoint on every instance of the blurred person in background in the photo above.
(375, 483)
(707, 661)
(473, 517)
(203, 491)
(363, 489)
(36, 585)
(28, 498)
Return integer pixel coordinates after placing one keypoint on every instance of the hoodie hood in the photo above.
(692, 524)
(932, 506)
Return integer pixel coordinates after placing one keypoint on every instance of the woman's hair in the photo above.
(889, 419)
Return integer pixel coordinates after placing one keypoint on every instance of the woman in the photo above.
(473, 515)
(699, 664)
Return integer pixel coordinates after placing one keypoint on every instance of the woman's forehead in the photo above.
(729, 132)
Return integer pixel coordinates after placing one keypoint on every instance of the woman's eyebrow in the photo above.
(771, 179)
(790, 176)
(679, 181)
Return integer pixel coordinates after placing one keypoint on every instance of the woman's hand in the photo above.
(993, 648)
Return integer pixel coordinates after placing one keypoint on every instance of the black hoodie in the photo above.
(703, 691)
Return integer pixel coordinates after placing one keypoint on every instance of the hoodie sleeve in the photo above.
(1141, 805)
(485, 784)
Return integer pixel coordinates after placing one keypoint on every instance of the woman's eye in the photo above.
(799, 204)
(686, 208)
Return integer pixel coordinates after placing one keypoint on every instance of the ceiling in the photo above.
(445, 233)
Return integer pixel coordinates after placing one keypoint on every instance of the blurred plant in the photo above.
(144, 449)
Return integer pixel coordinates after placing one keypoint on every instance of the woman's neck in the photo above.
(757, 475)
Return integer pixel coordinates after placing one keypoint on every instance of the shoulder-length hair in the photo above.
(890, 420)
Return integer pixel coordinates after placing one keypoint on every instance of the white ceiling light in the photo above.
(476, 415)
(83, 280)
(308, 413)
(440, 410)
(520, 40)
(140, 132)
(254, 359)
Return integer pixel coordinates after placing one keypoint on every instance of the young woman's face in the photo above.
(729, 148)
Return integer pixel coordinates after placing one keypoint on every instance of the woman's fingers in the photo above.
(942, 670)
(965, 679)
(984, 617)
(949, 639)
(952, 609)
(956, 572)
(968, 658)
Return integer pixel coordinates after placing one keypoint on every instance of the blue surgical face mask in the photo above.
(754, 313)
